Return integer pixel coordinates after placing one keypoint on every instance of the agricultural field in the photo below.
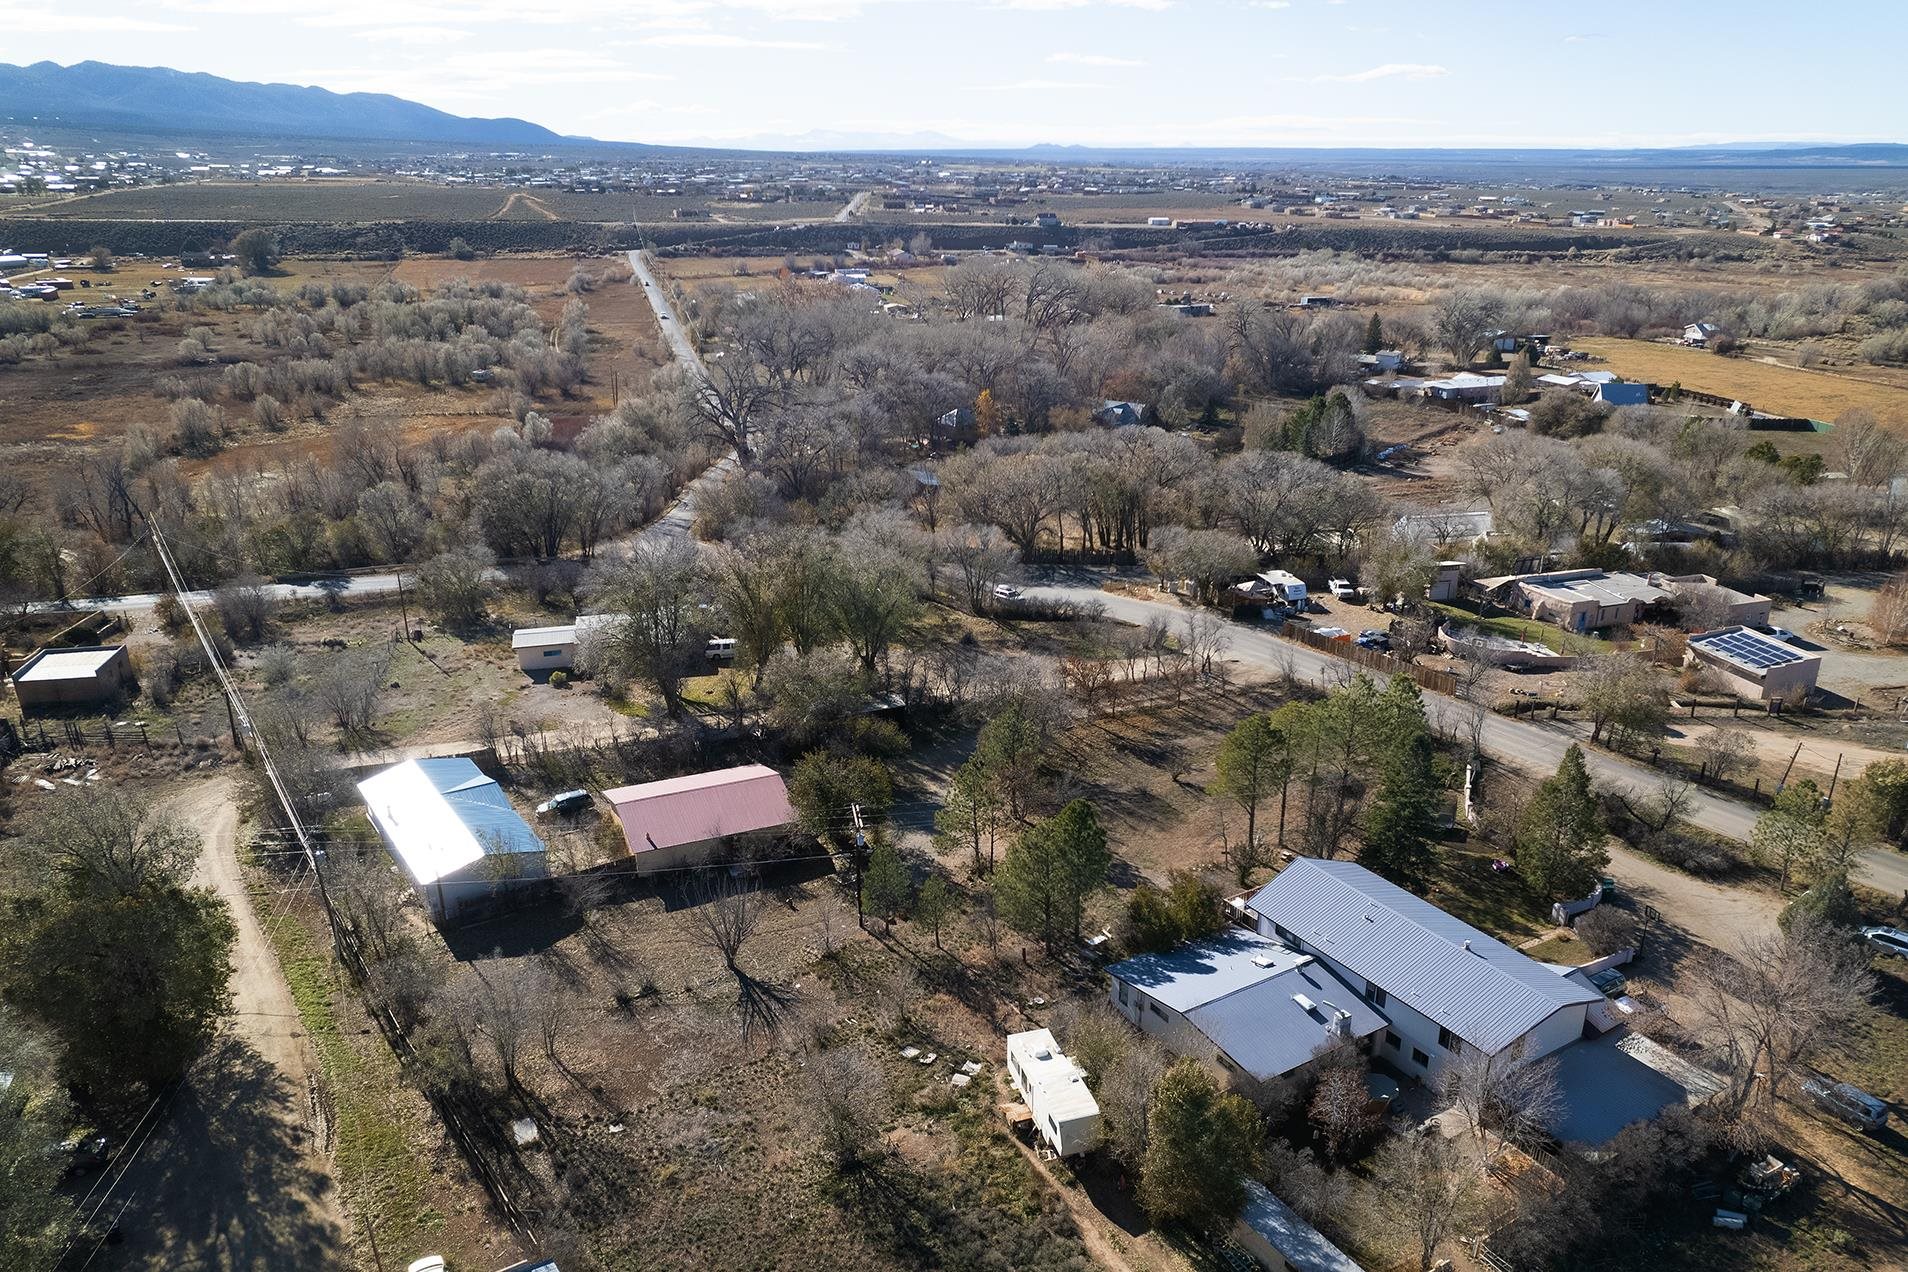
(1780, 390)
(392, 199)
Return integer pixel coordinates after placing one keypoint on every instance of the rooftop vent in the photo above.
(1261, 960)
(1304, 1002)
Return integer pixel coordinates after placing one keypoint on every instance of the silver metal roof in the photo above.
(1476, 986)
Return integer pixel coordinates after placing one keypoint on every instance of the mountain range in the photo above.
(153, 99)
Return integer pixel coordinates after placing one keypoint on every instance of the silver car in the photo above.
(1886, 940)
(1849, 1103)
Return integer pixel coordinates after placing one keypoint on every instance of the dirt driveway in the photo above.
(237, 1177)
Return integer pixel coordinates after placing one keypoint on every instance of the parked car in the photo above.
(1006, 592)
(568, 804)
(1886, 940)
(1341, 589)
(1850, 1103)
(1372, 638)
(1780, 633)
(1609, 981)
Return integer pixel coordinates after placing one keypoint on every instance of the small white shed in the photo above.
(1065, 1114)
(546, 649)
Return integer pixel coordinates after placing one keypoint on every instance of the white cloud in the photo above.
(1093, 59)
(1271, 4)
(1034, 86)
(416, 34)
(720, 40)
(43, 22)
(1390, 70)
(1152, 6)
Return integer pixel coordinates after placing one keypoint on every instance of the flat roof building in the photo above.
(82, 676)
(1273, 1234)
(1756, 665)
(1578, 600)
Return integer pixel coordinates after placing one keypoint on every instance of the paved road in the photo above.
(852, 208)
(1524, 744)
(678, 341)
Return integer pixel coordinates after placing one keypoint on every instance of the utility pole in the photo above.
(403, 608)
(861, 844)
(243, 728)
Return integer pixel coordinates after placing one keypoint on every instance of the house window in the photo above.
(1374, 995)
(553, 653)
(1284, 935)
(1419, 1057)
(1391, 1040)
(1124, 990)
(1448, 1040)
(1226, 1064)
(1154, 1008)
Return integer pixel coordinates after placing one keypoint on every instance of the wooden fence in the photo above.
(1373, 659)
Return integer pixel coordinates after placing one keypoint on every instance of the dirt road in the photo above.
(237, 1178)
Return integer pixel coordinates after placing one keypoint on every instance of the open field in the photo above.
(1792, 391)
(358, 199)
(56, 406)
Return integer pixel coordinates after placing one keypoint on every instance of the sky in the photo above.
(1411, 73)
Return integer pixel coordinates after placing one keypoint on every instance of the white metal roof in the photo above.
(559, 634)
(442, 815)
(66, 664)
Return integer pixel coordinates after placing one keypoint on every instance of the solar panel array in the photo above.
(1750, 649)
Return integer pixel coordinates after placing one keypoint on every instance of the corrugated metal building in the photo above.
(454, 832)
(680, 820)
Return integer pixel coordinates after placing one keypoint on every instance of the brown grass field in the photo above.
(1817, 395)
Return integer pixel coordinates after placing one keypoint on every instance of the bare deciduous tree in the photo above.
(1783, 1000)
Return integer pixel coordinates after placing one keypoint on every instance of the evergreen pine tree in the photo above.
(1401, 829)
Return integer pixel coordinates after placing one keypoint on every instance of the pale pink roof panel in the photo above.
(687, 810)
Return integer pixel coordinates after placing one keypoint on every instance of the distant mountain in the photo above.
(153, 99)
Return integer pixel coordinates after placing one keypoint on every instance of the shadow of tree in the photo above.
(228, 1184)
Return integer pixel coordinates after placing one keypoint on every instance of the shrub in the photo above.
(1606, 930)
(559, 679)
(198, 427)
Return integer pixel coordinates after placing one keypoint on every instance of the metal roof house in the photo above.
(1441, 985)
(454, 832)
(680, 820)
(1253, 1008)
(1065, 1114)
(84, 675)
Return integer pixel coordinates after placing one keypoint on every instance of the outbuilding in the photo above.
(547, 649)
(681, 821)
(1065, 1114)
(1756, 665)
(455, 834)
(83, 676)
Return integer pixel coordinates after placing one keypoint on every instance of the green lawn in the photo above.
(1525, 629)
